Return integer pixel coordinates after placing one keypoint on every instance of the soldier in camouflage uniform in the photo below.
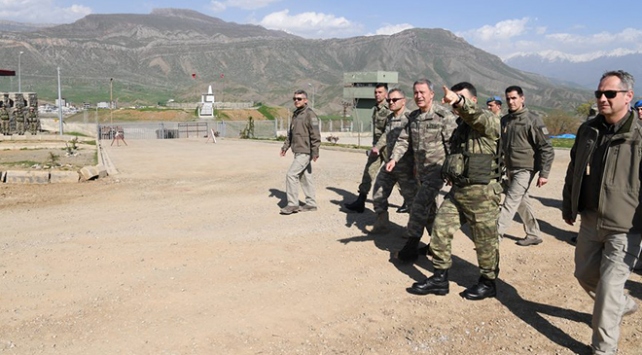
(4, 119)
(473, 168)
(380, 114)
(32, 120)
(403, 173)
(427, 134)
(19, 117)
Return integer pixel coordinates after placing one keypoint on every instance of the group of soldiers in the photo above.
(454, 143)
(18, 115)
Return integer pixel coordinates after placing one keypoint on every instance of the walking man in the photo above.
(527, 151)
(305, 139)
(380, 114)
(602, 185)
(473, 169)
(427, 134)
(403, 174)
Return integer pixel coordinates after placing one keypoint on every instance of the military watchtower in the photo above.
(358, 89)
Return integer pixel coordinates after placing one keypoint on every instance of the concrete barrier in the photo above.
(63, 177)
(27, 177)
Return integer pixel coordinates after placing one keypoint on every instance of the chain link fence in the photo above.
(268, 129)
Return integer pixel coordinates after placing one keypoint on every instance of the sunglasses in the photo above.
(394, 100)
(298, 98)
(608, 93)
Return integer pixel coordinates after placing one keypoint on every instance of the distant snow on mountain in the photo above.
(583, 70)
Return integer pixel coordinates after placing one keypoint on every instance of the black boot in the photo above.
(485, 288)
(358, 205)
(410, 252)
(403, 208)
(437, 284)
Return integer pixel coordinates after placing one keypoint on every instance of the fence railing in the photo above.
(231, 129)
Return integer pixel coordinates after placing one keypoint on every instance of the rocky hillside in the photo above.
(174, 53)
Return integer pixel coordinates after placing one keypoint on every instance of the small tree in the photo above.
(560, 122)
(248, 131)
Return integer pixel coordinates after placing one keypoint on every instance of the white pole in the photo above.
(59, 102)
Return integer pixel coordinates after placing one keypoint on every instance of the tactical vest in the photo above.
(464, 168)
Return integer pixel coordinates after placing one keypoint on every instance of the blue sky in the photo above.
(578, 30)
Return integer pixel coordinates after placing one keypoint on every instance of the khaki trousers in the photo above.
(300, 173)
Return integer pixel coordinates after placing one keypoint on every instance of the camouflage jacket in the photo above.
(481, 127)
(303, 136)
(379, 118)
(394, 126)
(525, 142)
(478, 132)
(4, 114)
(428, 135)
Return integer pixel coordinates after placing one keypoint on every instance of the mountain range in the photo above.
(176, 54)
(580, 73)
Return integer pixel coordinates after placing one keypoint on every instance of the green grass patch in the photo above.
(21, 163)
(267, 111)
(76, 134)
(562, 143)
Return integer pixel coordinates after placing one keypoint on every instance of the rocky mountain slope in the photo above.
(173, 53)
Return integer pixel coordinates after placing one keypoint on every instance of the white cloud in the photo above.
(515, 37)
(392, 29)
(220, 6)
(41, 11)
(311, 24)
(500, 31)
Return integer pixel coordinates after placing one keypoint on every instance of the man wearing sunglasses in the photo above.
(527, 151)
(305, 139)
(403, 173)
(427, 134)
(602, 185)
(380, 114)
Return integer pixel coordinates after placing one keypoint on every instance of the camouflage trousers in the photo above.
(423, 209)
(385, 182)
(375, 161)
(477, 205)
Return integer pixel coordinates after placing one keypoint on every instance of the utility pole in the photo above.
(59, 103)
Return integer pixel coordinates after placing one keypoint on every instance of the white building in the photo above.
(207, 104)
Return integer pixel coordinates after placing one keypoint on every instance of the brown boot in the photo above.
(381, 224)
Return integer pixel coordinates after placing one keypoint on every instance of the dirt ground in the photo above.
(184, 252)
(44, 155)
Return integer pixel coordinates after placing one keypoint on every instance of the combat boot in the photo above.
(485, 288)
(381, 224)
(437, 284)
(410, 251)
(403, 208)
(358, 205)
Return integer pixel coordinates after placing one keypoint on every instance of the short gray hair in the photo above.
(424, 81)
(628, 82)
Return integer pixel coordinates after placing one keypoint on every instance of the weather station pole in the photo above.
(111, 101)
(19, 81)
(59, 102)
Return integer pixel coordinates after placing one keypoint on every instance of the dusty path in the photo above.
(184, 252)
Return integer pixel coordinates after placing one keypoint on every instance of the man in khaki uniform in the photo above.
(305, 139)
